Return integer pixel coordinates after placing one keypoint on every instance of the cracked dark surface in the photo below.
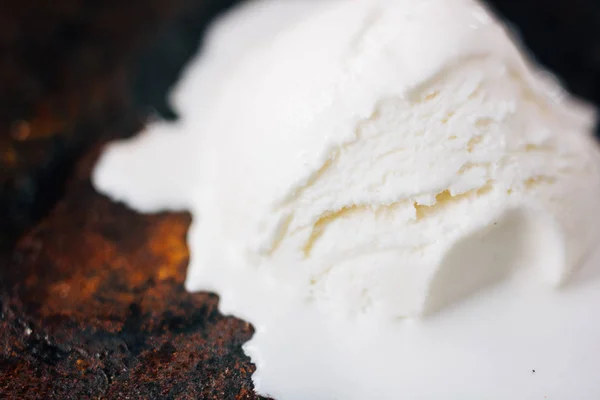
(94, 307)
(92, 304)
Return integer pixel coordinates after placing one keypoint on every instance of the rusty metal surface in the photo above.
(73, 71)
(92, 303)
(93, 306)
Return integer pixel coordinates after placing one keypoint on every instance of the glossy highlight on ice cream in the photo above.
(389, 173)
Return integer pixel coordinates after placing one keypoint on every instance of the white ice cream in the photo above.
(362, 161)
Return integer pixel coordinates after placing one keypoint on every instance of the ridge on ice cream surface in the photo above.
(387, 110)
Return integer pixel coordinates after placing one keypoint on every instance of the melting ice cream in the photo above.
(383, 185)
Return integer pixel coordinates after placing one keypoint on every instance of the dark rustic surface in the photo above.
(93, 306)
(91, 298)
(73, 72)
(92, 303)
(63, 68)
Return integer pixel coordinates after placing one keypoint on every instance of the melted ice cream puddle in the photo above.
(333, 319)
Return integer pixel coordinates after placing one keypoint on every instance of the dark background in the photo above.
(92, 303)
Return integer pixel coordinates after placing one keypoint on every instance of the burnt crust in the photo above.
(93, 306)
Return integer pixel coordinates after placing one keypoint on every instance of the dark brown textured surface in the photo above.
(63, 70)
(91, 299)
(74, 70)
(94, 307)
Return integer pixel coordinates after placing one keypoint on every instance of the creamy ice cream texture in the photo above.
(353, 161)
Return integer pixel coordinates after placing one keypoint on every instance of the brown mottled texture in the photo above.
(93, 306)
(74, 71)
(63, 81)
(61, 58)
(92, 303)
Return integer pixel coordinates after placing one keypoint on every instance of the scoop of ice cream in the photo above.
(393, 157)
(382, 159)
(386, 157)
